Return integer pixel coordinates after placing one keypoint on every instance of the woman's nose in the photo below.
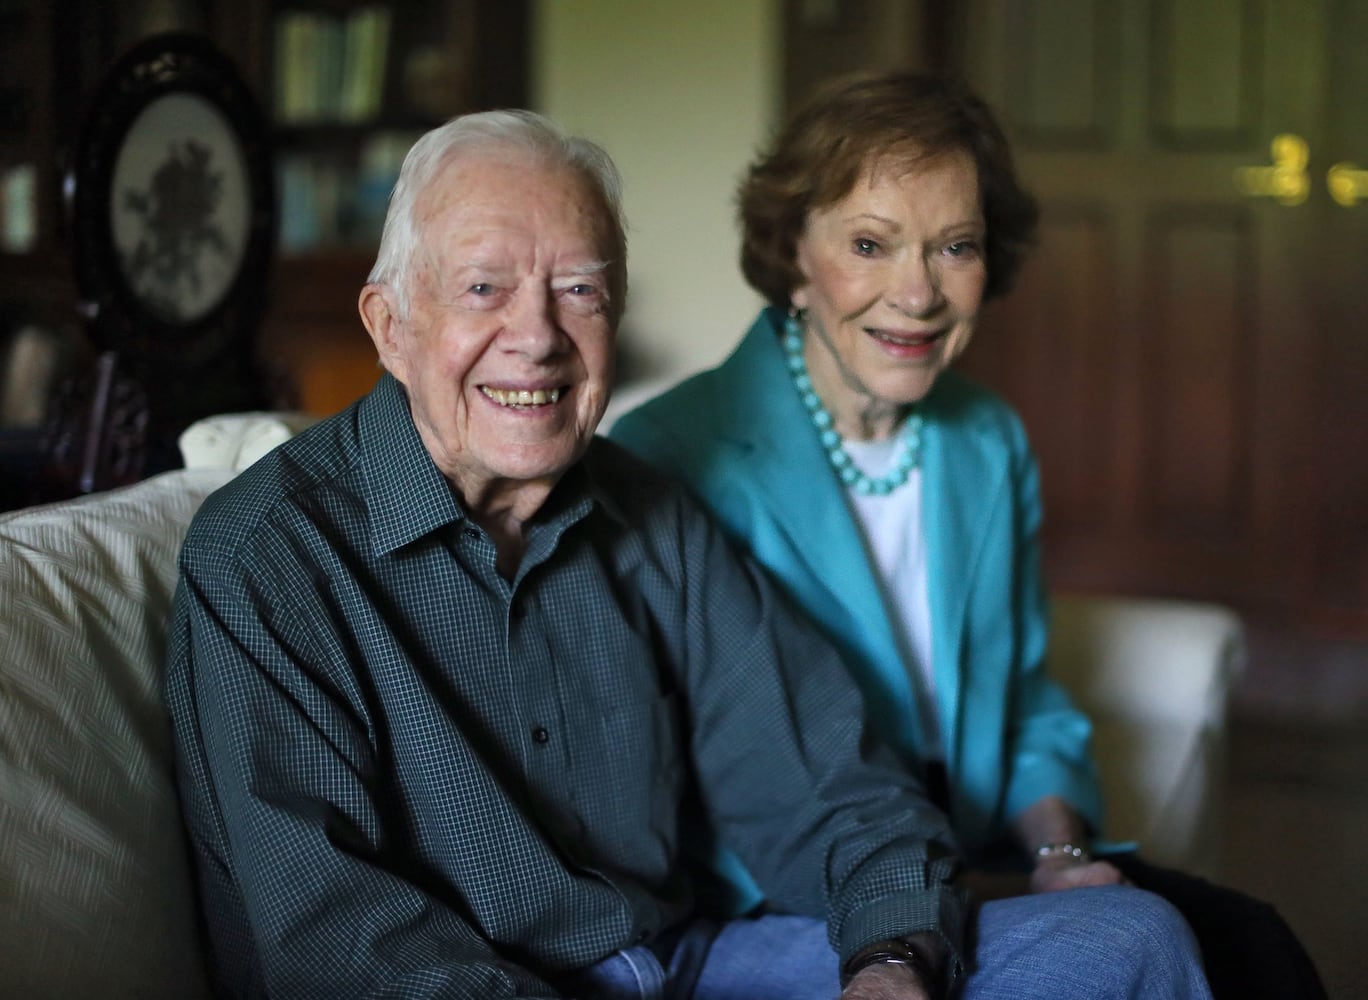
(916, 286)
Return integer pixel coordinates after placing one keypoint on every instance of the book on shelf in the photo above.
(315, 199)
(328, 67)
(365, 56)
(296, 64)
(331, 201)
(381, 156)
(298, 225)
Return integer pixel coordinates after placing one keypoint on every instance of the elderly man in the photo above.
(458, 689)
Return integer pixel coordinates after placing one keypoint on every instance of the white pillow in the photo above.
(96, 892)
(236, 440)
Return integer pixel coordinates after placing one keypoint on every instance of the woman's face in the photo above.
(894, 276)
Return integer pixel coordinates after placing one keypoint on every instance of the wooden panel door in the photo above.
(1338, 247)
(1188, 353)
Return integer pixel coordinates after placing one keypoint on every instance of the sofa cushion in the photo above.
(95, 888)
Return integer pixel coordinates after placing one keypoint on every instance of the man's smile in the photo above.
(521, 398)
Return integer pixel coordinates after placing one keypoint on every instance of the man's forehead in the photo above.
(506, 180)
(493, 218)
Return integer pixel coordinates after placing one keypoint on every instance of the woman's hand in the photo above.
(1052, 874)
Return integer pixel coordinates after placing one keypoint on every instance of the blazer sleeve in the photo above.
(1049, 741)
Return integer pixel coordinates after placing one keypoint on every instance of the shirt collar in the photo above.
(406, 494)
(602, 460)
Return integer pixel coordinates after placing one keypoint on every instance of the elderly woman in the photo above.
(899, 503)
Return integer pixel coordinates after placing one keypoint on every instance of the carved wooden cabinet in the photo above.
(342, 97)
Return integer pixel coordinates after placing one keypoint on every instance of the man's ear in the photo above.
(379, 314)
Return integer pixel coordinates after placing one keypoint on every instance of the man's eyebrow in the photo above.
(474, 264)
(594, 267)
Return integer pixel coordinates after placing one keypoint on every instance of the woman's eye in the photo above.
(963, 248)
(866, 247)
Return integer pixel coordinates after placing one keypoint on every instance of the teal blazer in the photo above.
(740, 438)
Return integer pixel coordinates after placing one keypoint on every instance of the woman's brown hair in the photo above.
(818, 157)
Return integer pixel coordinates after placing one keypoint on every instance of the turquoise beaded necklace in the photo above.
(909, 453)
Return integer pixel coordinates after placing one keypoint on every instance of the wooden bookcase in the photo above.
(340, 145)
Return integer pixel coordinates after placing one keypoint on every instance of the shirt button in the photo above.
(471, 533)
(540, 734)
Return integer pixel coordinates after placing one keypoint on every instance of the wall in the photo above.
(681, 95)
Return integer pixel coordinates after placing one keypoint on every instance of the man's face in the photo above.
(507, 350)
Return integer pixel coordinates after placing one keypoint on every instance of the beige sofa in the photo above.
(96, 894)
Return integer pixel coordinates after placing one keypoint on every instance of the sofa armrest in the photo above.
(1146, 658)
(96, 893)
(1155, 676)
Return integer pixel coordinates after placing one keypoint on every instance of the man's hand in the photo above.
(1054, 874)
(906, 968)
(885, 982)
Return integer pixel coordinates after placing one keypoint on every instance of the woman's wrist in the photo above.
(1061, 852)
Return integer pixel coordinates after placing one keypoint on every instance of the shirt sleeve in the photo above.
(301, 870)
(791, 776)
(1049, 739)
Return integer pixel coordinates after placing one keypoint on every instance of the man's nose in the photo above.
(533, 328)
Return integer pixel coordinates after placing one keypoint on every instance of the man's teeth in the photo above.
(521, 397)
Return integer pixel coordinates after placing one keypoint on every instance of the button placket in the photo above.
(530, 657)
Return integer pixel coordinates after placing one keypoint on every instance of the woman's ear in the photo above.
(798, 295)
(379, 314)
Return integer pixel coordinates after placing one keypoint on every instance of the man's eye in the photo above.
(583, 289)
(482, 288)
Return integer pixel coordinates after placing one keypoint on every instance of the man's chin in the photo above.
(538, 462)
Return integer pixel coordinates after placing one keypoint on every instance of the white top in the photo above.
(893, 535)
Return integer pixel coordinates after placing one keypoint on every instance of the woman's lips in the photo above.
(907, 345)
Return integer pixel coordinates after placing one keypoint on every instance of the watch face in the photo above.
(180, 207)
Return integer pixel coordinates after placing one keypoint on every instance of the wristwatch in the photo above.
(896, 952)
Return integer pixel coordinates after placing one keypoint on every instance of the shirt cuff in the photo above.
(943, 911)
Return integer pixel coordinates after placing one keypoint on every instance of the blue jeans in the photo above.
(1090, 944)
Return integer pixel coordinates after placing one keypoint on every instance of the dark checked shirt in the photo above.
(406, 775)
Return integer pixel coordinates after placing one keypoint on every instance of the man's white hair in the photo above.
(472, 134)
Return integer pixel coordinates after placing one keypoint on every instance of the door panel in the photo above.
(1337, 248)
(1189, 357)
(1195, 478)
(1205, 76)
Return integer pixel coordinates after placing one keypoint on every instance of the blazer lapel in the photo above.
(771, 441)
(963, 476)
